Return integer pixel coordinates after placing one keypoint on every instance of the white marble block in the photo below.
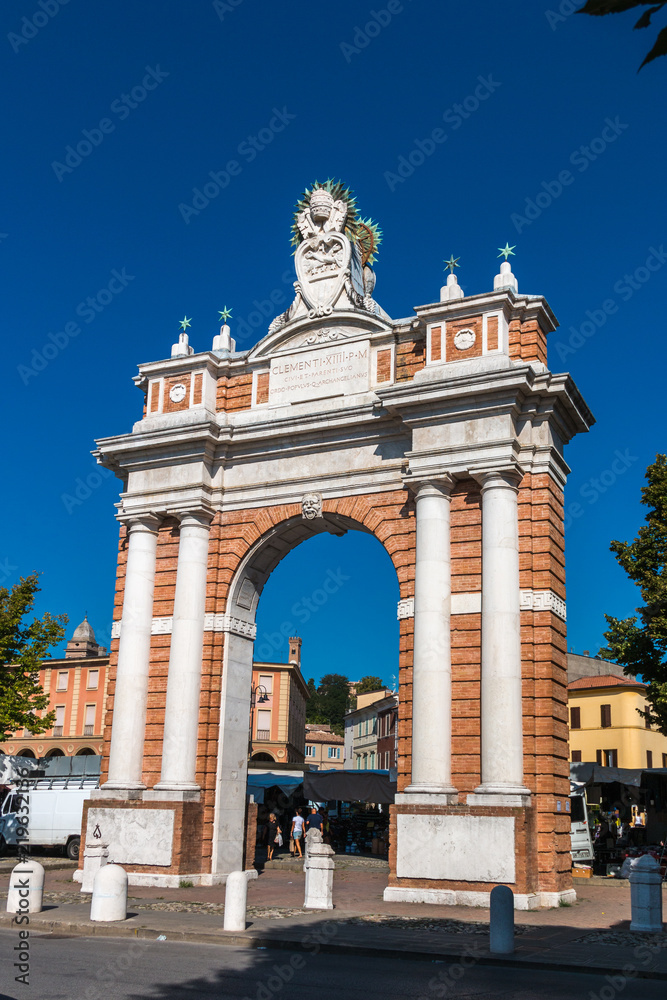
(319, 874)
(26, 888)
(456, 848)
(95, 856)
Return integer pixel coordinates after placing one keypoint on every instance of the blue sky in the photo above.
(103, 257)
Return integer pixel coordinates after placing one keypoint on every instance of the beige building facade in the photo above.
(278, 710)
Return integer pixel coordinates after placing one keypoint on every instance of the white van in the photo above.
(581, 844)
(52, 809)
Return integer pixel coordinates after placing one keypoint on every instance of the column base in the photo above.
(427, 795)
(170, 793)
(500, 795)
(122, 792)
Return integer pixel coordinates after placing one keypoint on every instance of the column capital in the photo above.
(136, 523)
(505, 478)
(440, 485)
(196, 518)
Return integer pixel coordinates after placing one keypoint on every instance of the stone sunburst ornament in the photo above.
(333, 200)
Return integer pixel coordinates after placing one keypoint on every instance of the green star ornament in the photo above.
(225, 314)
(507, 251)
(184, 324)
(452, 263)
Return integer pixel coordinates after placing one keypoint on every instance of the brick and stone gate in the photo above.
(442, 435)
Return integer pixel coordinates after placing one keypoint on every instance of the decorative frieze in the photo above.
(471, 603)
(212, 623)
(543, 600)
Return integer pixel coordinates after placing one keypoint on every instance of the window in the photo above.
(649, 758)
(263, 724)
(93, 680)
(575, 718)
(576, 756)
(372, 764)
(89, 721)
(386, 760)
(647, 723)
(361, 729)
(368, 726)
(61, 683)
(310, 751)
(610, 758)
(60, 720)
(333, 752)
(266, 680)
(605, 716)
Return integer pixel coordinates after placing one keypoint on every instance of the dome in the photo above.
(84, 632)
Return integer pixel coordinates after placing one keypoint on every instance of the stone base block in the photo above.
(159, 881)
(450, 897)
(456, 854)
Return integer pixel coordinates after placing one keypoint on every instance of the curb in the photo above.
(255, 941)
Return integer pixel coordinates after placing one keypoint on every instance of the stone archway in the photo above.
(263, 757)
(253, 564)
(442, 434)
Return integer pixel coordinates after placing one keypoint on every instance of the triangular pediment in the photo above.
(307, 334)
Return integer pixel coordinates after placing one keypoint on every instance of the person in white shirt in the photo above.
(297, 832)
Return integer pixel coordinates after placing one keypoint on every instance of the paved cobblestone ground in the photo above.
(602, 905)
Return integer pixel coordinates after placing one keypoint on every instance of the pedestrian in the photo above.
(273, 836)
(297, 832)
(314, 821)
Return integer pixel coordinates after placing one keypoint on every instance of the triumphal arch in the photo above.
(440, 433)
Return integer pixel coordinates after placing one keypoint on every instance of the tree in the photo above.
(329, 701)
(22, 647)
(369, 683)
(639, 643)
(598, 8)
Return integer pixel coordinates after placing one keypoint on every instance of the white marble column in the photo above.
(129, 707)
(502, 729)
(432, 664)
(181, 723)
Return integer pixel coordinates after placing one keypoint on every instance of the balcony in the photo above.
(88, 730)
(57, 731)
(263, 734)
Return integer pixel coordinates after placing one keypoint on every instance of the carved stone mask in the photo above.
(311, 506)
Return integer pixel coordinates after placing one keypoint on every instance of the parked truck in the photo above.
(46, 812)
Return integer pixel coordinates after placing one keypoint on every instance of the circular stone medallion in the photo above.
(464, 340)
(177, 393)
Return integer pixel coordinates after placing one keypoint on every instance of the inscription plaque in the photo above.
(328, 371)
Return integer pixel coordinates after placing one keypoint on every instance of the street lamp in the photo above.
(258, 693)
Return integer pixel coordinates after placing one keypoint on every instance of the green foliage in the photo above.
(329, 701)
(370, 683)
(598, 8)
(22, 647)
(639, 643)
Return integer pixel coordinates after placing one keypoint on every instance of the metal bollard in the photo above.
(26, 888)
(236, 897)
(646, 895)
(109, 900)
(501, 923)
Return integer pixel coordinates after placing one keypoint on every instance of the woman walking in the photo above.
(297, 831)
(273, 832)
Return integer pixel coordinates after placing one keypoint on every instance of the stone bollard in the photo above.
(109, 900)
(26, 888)
(319, 873)
(501, 923)
(95, 856)
(236, 897)
(646, 895)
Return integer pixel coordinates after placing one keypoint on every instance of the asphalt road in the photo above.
(74, 968)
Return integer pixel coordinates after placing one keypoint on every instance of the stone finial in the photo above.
(505, 279)
(223, 342)
(452, 290)
(182, 349)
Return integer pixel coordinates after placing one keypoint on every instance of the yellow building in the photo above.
(607, 729)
